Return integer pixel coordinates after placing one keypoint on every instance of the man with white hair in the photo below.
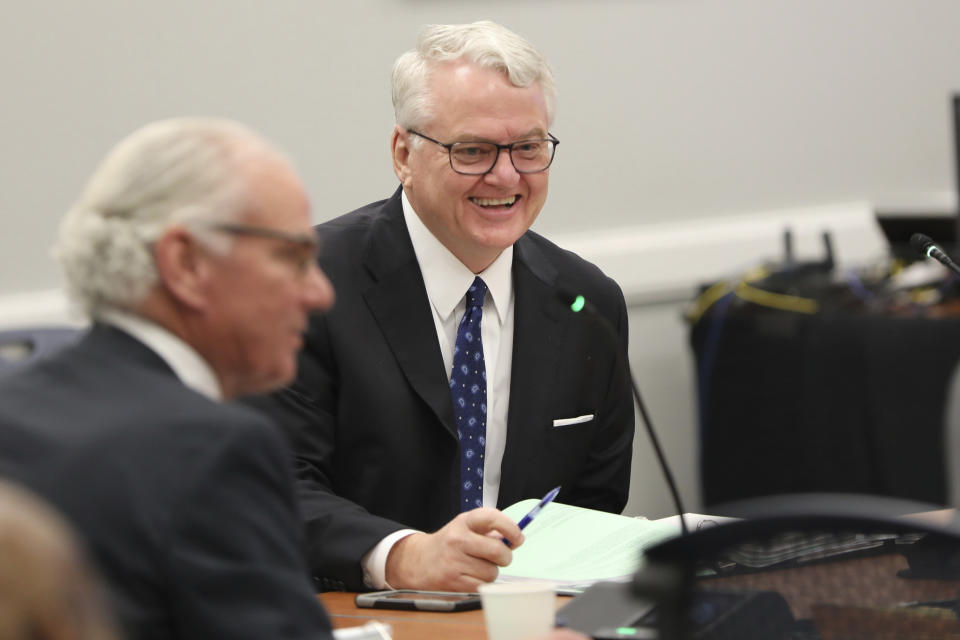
(193, 253)
(450, 379)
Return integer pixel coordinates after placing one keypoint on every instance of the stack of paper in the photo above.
(575, 547)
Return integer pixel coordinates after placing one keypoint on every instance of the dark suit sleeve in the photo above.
(235, 547)
(604, 482)
(339, 531)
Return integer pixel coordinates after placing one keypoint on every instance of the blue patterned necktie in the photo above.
(468, 388)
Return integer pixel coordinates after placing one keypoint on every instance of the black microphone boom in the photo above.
(577, 303)
(927, 247)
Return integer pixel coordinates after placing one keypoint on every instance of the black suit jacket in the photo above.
(370, 414)
(185, 504)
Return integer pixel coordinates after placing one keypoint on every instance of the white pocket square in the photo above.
(564, 422)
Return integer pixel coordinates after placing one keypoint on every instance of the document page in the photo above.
(573, 546)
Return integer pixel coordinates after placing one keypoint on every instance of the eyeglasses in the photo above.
(302, 247)
(305, 240)
(479, 158)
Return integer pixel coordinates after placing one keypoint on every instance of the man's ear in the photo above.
(400, 146)
(182, 266)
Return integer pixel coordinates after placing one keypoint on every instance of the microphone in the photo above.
(927, 247)
(579, 303)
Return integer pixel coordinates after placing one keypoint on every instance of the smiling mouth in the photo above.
(496, 202)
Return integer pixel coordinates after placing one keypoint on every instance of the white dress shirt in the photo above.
(192, 370)
(447, 280)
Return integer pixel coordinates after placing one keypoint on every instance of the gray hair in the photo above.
(186, 171)
(483, 43)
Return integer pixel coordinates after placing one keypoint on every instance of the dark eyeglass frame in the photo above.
(305, 240)
(500, 147)
(301, 249)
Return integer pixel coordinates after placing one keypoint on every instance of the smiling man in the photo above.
(449, 380)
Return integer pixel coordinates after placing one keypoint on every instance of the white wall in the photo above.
(669, 109)
(677, 119)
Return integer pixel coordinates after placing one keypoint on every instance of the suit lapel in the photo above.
(107, 341)
(539, 322)
(397, 298)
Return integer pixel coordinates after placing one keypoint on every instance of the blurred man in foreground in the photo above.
(192, 252)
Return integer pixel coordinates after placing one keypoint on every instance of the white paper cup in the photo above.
(518, 610)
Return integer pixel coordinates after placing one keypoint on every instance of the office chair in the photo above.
(23, 345)
(821, 567)
(798, 567)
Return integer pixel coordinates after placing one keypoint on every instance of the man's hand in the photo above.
(466, 552)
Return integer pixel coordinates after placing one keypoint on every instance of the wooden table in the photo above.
(410, 625)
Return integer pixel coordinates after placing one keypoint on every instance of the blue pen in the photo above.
(527, 519)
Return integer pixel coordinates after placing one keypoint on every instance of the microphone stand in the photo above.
(578, 303)
(928, 248)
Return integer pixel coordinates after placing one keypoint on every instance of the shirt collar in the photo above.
(192, 370)
(447, 279)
